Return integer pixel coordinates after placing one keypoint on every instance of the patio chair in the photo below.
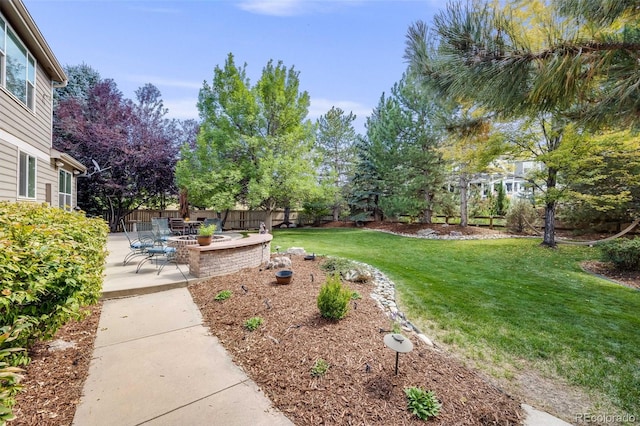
(177, 226)
(137, 246)
(161, 255)
(160, 227)
(216, 222)
(145, 233)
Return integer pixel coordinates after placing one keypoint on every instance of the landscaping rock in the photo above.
(426, 232)
(358, 275)
(296, 250)
(279, 262)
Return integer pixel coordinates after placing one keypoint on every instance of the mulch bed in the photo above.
(360, 386)
(53, 380)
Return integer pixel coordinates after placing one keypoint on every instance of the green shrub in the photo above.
(333, 300)
(319, 368)
(623, 253)
(423, 404)
(253, 323)
(51, 265)
(223, 295)
(521, 216)
(337, 265)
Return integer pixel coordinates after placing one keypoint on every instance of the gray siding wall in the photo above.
(31, 131)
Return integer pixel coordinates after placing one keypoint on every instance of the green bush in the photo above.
(51, 265)
(253, 323)
(423, 404)
(623, 253)
(223, 295)
(319, 368)
(337, 265)
(521, 216)
(333, 300)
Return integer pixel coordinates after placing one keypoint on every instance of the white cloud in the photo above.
(273, 7)
(293, 7)
(182, 109)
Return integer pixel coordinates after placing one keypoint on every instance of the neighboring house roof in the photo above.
(23, 23)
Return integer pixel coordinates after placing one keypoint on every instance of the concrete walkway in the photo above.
(154, 363)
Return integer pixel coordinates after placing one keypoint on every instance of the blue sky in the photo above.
(347, 51)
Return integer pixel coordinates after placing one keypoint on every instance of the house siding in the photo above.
(30, 131)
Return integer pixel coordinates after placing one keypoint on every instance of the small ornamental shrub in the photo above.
(333, 300)
(337, 265)
(223, 295)
(253, 323)
(319, 368)
(355, 295)
(521, 216)
(423, 404)
(623, 253)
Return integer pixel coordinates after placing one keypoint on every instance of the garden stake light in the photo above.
(398, 343)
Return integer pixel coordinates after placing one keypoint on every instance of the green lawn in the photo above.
(506, 300)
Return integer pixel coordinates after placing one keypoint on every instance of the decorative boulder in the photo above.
(279, 262)
(358, 275)
(296, 250)
(426, 232)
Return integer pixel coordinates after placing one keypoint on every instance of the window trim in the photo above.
(68, 178)
(29, 186)
(29, 86)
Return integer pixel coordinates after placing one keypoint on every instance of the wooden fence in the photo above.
(236, 219)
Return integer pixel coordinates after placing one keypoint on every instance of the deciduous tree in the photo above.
(133, 145)
(254, 146)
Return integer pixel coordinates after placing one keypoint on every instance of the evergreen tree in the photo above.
(335, 141)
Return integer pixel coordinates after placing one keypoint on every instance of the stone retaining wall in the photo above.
(229, 256)
(181, 244)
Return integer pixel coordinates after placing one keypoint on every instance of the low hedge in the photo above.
(624, 253)
(51, 265)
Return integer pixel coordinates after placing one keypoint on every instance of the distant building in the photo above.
(512, 174)
(30, 169)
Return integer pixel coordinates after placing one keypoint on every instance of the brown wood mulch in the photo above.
(360, 386)
(53, 380)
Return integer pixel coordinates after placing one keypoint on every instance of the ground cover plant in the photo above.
(508, 303)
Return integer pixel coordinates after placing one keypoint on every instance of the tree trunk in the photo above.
(427, 213)
(464, 208)
(336, 213)
(377, 213)
(287, 213)
(549, 239)
(268, 219)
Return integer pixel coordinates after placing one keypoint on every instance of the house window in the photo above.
(2, 37)
(64, 190)
(27, 176)
(17, 66)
